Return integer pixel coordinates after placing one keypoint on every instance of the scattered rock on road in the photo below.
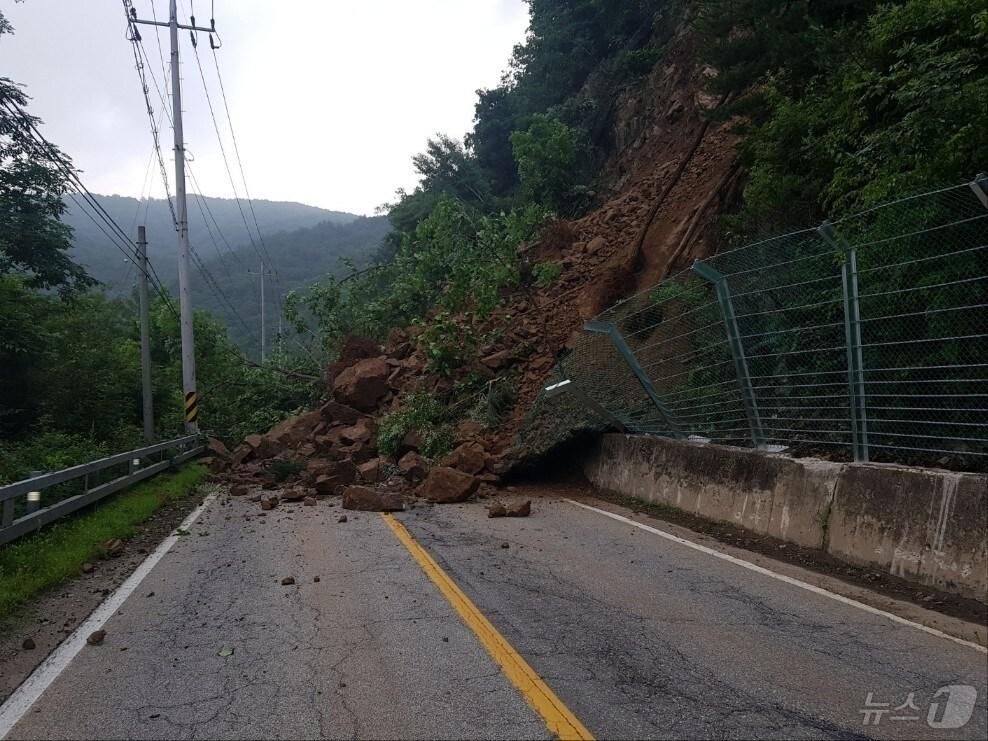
(497, 510)
(288, 581)
(519, 509)
(293, 495)
(96, 637)
(365, 499)
(342, 518)
(309, 501)
(28, 644)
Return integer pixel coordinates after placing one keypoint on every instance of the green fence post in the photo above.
(617, 339)
(852, 333)
(719, 282)
(980, 187)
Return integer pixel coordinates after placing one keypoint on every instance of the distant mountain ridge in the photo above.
(222, 216)
(304, 243)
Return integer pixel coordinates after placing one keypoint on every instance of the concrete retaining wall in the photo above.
(925, 525)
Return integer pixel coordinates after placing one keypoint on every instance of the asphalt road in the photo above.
(637, 635)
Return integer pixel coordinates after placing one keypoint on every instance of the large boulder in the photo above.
(293, 431)
(240, 454)
(335, 413)
(444, 484)
(332, 475)
(413, 466)
(363, 384)
(371, 470)
(362, 431)
(352, 350)
(469, 458)
(359, 452)
(217, 449)
(261, 446)
(365, 499)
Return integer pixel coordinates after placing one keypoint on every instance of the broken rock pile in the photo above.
(332, 451)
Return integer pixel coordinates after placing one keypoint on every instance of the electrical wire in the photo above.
(116, 235)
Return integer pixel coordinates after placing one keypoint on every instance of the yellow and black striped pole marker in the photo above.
(191, 407)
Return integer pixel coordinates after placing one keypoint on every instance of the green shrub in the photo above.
(546, 273)
(639, 62)
(446, 342)
(419, 413)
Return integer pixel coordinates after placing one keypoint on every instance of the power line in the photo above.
(243, 177)
(213, 286)
(240, 164)
(226, 162)
(142, 61)
(116, 235)
(140, 57)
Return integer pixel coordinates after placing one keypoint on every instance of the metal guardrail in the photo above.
(13, 526)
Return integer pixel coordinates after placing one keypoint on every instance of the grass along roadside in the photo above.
(37, 562)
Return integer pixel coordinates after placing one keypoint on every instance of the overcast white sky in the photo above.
(330, 99)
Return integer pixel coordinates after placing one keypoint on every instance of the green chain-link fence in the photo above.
(865, 337)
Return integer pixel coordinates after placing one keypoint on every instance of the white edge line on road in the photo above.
(781, 577)
(20, 702)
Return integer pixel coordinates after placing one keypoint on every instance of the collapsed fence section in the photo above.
(867, 335)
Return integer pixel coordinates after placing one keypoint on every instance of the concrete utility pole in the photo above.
(142, 257)
(264, 332)
(185, 298)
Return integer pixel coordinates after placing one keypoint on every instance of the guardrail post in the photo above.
(852, 333)
(719, 281)
(7, 516)
(617, 339)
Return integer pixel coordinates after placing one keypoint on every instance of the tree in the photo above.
(33, 241)
(882, 102)
(552, 163)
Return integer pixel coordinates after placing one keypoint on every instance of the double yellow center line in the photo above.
(558, 718)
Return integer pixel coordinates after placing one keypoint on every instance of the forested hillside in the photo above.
(624, 141)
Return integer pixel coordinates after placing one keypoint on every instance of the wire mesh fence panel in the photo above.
(922, 267)
(866, 337)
